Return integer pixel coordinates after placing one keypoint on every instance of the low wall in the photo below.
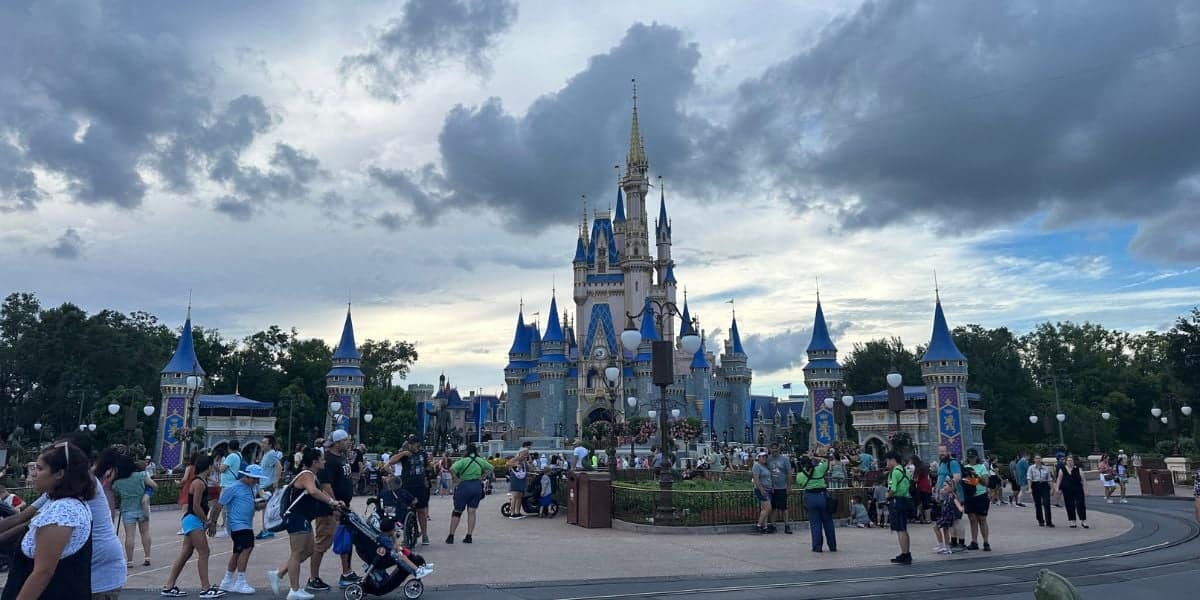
(696, 508)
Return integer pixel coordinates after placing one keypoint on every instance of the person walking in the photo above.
(240, 498)
(193, 523)
(1022, 476)
(1070, 484)
(810, 476)
(272, 469)
(977, 502)
(1040, 483)
(1121, 476)
(54, 557)
(781, 485)
(900, 505)
(130, 488)
(336, 482)
(1107, 481)
(469, 472)
(760, 474)
(922, 488)
(305, 497)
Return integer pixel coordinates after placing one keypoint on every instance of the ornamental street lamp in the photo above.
(847, 401)
(1033, 419)
(632, 402)
(895, 396)
(662, 374)
(367, 418)
(611, 373)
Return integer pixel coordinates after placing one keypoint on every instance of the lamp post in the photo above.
(193, 384)
(1055, 376)
(847, 401)
(895, 382)
(367, 418)
(632, 402)
(662, 374)
(611, 374)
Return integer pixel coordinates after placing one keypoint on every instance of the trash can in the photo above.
(594, 501)
(573, 497)
(1161, 483)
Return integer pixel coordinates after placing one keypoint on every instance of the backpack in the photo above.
(275, 515)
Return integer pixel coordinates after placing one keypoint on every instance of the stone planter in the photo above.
(1177, 465)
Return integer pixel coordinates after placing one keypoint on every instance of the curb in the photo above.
(668, 530)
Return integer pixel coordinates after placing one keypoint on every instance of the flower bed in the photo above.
(635, 503)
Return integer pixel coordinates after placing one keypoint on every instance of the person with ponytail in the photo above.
(192, 524)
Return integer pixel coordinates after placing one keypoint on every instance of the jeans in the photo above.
(820, 519)
(1041, 502)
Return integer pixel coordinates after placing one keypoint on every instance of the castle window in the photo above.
(943, 363)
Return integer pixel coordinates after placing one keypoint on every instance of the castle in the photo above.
(556, 382)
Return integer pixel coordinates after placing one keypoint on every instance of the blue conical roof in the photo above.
(670, 277)
(820, 335)
(580, 254)
(941, 343)
(648, 330)
(346, 348)
(184, 360)
(663, 225)
(700, 361)
(684, 319)
(520, 343)
(620, 207)
(736, 337)
(554, 332)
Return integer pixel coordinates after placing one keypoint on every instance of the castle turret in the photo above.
(520, 365)
(944, 370)
(344, 381)
(823, 376)
(178, 411)
(636, 262)
(733, 398)
(552, 372)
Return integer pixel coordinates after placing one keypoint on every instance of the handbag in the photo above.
(343, 543)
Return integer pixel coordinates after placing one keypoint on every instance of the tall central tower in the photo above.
(636, 262)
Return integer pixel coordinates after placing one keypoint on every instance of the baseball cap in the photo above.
(762, 452)
(411, 439)
(254, 471)
(338, 435)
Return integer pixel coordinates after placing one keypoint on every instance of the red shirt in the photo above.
(923, 482)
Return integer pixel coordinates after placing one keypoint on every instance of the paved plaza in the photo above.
(507, 551)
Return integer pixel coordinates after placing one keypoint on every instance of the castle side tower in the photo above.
(944, 369)
(552, 373)
(823, 376)
(344, 382)
(178, 410)
(520, 363)
(736, 376)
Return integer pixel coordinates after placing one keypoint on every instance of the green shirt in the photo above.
(982, 471)
(898, 482)
(470, 468)
(815, 481)
(129, 491)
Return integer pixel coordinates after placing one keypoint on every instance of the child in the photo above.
(858, 514)
(238, 500)
(879, 503)
(950, 511)
(547, 494)
(387, 527)
(11, 499)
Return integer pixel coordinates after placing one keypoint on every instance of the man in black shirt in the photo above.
(335, 481)
(415, 463)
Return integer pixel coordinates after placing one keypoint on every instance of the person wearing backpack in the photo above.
(228, 469)
(977, 502)
(468, 473)
(950, 469)
(810, 477)
(899, 486)
(302, 499)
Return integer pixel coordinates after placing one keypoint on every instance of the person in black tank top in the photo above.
(298, 519)
(195, 515)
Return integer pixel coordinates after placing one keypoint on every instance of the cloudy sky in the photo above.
(428, 158)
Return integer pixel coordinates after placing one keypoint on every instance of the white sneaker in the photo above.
(299, 594)
(242, 586)
(227, 583)
(423, 571)
(1124, 501)
(273, 579)
(1110, 501)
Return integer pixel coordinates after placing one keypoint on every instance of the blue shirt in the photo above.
(238, 500)
(1022, 472)
(270, 464)
(866, 462)
(947, 470)
(233, 464)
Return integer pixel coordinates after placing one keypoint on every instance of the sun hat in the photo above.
(254, 471)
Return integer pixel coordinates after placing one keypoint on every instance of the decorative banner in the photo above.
(824, 427)
(170, 446)
(949, 421)
(341, 418)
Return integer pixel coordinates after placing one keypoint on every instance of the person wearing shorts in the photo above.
(781, 483)
(761, 475)
(977, 504)
(518, 471)
(899, 486)
(238, 502)
(415, 463)
(307, 497)
(468, 473)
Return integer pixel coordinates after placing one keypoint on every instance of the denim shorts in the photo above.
(133, 516)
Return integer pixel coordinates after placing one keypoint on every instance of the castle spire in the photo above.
(184, 360)
(821, 341)
(941, 343)
(346, 348)
(554, 331)
(637, 151)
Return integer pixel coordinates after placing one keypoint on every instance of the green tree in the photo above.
(395, 417)
(385, 361)
(865, 368)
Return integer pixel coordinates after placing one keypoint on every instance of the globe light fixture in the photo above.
(1186, 410)
(335, 406)
(1164, 420)
(1106, 415)
(1061, 417)
(829, 402)
(368, 417)
(847, 400)
(37, 426)
(690, 342)
(631, 338)
(675, 413)
(114, 408)
(1156, 411)
(894, 379)
(611, 374)
(91, 426)
(148, 410)
(83, 427)
(194, 382)
(631, 401)
(653, 414)
(1033, 419)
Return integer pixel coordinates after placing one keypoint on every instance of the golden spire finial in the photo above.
(637, 150)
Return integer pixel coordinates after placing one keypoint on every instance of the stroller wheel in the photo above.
(554, 509)
(505, 510)
(413, 588)
(354, 592)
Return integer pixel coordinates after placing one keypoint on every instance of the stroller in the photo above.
(531, 500)
(384, 569)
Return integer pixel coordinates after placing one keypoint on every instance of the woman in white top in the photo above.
(54, 560)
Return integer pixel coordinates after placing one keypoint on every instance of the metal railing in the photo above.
(167, 492)
(693, 508)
